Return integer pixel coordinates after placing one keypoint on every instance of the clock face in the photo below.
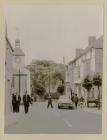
(17, 59)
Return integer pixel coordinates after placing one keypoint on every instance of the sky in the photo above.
(52, 31)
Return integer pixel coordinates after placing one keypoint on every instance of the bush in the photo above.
(39, 90)
(55, 95)
(87, 83)
(46, 96)
(60, 89)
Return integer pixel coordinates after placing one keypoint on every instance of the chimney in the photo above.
(91, 40)
(79, 52)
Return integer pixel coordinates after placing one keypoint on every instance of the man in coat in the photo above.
(76, 100)
(26, 102)
(14, 104)
(81, 100)
(18, 100)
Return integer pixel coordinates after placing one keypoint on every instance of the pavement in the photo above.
(91, 110)
(11, 118)
(41, 120)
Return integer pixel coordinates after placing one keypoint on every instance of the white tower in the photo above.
(21, 75)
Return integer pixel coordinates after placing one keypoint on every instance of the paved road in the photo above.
(55, 121)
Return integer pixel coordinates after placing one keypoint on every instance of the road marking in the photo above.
(68, 123)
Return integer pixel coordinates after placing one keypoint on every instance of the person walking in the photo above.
(50, 101)
(18, 100)
(76, 100)
(72, 97)
(14, 104)
(81, 102)
(26, 102)
(71, 92)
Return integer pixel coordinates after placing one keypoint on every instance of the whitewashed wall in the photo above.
(8, 77)
(89, 63)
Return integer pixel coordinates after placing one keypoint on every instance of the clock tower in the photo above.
(21, 75)
(18, 55)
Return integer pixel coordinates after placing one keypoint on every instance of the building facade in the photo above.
(87, 62)
(13, 58)
(21, 76)
(8, 75)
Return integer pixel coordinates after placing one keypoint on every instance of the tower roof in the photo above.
(18, 52)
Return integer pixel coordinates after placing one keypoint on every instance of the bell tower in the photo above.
(18, 54)
(20, 73)
(17, 42)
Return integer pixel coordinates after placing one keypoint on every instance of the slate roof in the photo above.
(96, 44)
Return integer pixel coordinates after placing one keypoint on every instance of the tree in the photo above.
(39, 90)
(45, 72)
(55, 95)
(87, 84)
(97, 81)
(58, 76)
(60, 89)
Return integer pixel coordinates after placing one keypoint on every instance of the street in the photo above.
(56, 121)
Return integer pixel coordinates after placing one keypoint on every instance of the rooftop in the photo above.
(96, 44)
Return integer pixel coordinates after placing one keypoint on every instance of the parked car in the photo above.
(65, 102)
(93, 101)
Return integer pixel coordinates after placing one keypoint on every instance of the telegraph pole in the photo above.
(49, 80)
(64, 74)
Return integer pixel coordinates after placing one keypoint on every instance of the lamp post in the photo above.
(64, 75)
(49, 80)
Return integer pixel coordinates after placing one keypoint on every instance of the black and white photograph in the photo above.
(53, 69)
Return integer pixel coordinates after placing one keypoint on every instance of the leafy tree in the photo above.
(60, 89)
(58, 76)
(47, 73)
(39, 90)
(97, 81)
(87, 84)
(55, 95)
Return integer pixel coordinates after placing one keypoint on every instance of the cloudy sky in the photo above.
(53, 31)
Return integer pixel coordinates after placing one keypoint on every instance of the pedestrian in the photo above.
(18, 101)
(50, 101)
(71, 92)
(76, 100)
(14, 104)
(26, 102)
(72, 97)
(81, 101)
